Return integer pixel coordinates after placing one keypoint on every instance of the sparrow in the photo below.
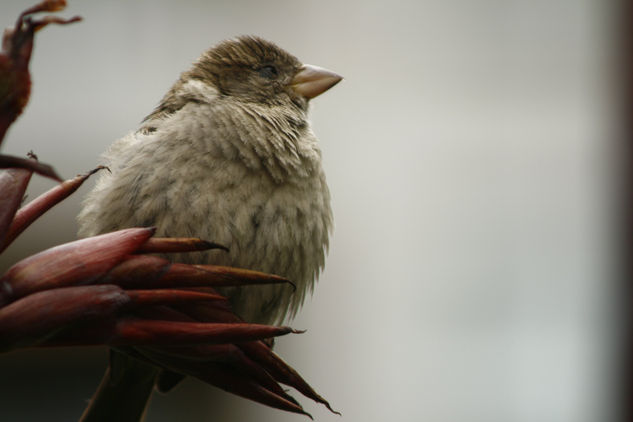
(229, 155)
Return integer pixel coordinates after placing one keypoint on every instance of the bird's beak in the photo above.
(311, 81)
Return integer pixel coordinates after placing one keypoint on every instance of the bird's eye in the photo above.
(268, 72)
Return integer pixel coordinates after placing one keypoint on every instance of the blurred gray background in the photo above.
(471, 156)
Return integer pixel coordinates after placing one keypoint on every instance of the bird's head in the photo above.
(251, 69)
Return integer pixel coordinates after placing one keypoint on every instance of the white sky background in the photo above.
(470, 155)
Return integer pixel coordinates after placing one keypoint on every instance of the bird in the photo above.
(229, 155)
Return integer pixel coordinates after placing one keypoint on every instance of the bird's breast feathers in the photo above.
(245, 177)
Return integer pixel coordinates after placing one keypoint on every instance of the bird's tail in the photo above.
(124, 391)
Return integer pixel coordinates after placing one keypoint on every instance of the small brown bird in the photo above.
(229, 156)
